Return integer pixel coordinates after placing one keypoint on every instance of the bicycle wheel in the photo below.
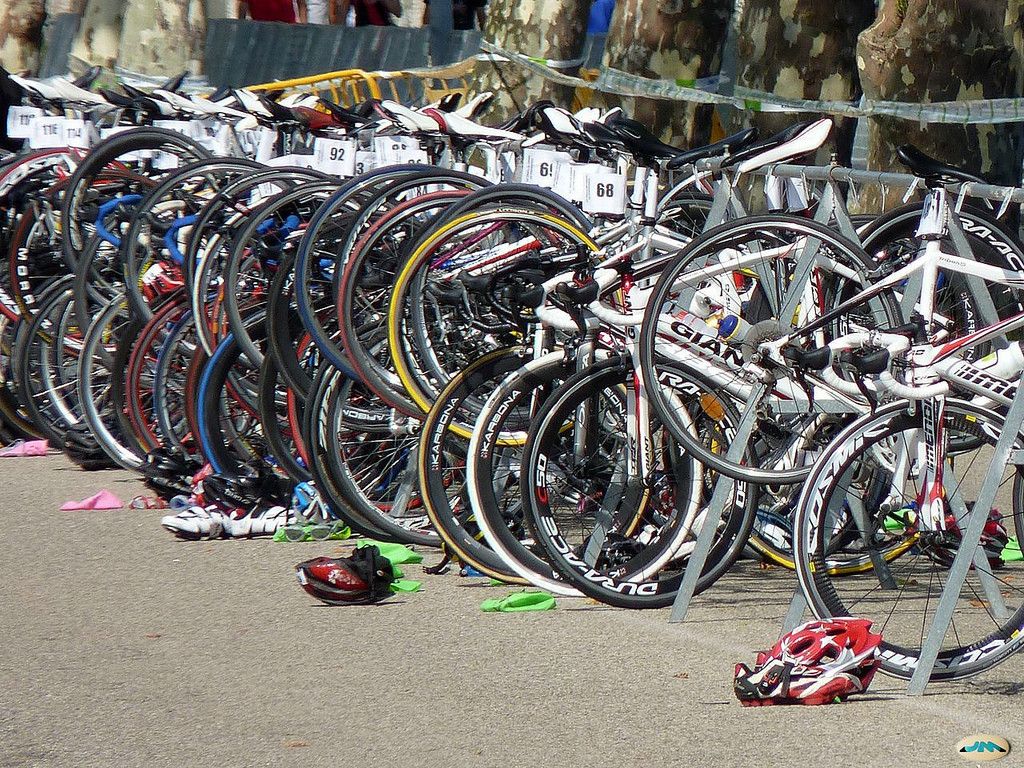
(443, 314)
(964, 304)
(866, 488)
(494, 463)
(95, 376)
(334, 230)
(365, 290)
(108, 170)
(619, 533)
(443, 456)
(774, 274)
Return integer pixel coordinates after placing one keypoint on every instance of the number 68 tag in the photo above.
(335, 156)
(605, 191)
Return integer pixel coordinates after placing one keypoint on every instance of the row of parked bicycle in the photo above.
(559, 349)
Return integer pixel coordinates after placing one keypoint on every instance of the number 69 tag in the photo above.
(542, 167)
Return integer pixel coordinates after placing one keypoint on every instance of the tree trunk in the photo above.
(220, 9)
(21, 31)
(551, 29)
(55, 7)
(802, 49)
(669, 40)
(99, 34)
(163, 37)
(944, 50)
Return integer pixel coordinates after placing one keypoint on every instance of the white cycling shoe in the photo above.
(196, 523)
(259, 522)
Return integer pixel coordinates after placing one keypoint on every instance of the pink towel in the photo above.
(25, 448)
(101, 500)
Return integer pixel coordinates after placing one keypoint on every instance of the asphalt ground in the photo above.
(122, 646)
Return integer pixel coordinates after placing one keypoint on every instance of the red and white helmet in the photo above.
(819, 662)
(363, 577)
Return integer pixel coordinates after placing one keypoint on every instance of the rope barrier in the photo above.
(703, 91)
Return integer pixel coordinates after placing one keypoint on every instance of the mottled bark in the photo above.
(220, 9)
(99, 34)
(944, 50)
(21, 31)
(802, 49)
(163, 37)
(552, 29)
(669, 40)
(55, 7)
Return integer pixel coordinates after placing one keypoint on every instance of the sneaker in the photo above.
(196, 523)
(259, 522)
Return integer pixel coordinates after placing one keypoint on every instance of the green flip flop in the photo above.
(1011, 552)
(406, 585)
(398, 554)
(519, 602)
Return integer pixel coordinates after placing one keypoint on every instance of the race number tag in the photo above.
(163, 161)
(78, 134)
(21, 120)
(48, 133)
(366, 160)
(497, 168)
(292, 161)
(605, 191)
(127, 157)
(398, 150)
(248, 141)
(543, 167)
(184, 127)
(209, 134)
(267, 145)
(335, 156)
(264, 191)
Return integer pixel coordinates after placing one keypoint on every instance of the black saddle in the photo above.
(935, 173)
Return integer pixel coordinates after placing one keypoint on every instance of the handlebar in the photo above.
(105, 210)
(886, 347)
(171, 240)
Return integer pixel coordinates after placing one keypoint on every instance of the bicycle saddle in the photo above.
(449, 102)
(174, 83)
(314, 120)
(278, 112)
(796, 141)
(342, 115)
(88, 77)
(725, 146)
(640, 141)
(476, 106)
(559, 126)
(117, 99)
(934, 173)
(603, 135)
(769, 143)
(524, 120)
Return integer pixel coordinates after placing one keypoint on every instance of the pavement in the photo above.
(122, 646)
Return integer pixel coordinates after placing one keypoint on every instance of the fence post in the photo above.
(440, 31)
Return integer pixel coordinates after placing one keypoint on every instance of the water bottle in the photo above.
(733, 329)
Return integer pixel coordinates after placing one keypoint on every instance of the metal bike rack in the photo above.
(831, 208)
